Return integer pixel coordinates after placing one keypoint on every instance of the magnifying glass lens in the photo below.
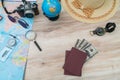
(1, 18)
(31, 35)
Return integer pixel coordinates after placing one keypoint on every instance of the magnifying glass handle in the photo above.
(37, 45)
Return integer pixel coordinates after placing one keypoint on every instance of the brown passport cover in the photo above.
(74, 62)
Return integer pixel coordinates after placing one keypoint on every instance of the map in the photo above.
(18, 0)
(14, 66)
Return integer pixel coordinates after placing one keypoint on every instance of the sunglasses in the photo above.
(22, 22)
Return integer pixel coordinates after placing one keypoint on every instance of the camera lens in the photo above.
(29, 13)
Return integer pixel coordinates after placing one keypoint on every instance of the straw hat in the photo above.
(91, 15)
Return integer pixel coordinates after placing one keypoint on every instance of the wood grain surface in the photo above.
(58, 36)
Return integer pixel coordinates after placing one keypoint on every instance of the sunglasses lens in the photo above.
(1, 18)
(23, 23)
(11, 18)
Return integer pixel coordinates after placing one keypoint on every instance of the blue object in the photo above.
(51, 9)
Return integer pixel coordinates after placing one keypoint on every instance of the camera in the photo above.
(28, 10)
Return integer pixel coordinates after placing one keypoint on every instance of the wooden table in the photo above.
(58, 36)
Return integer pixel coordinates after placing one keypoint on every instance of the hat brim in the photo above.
(106, 11)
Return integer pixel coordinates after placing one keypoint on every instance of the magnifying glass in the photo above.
(31, 36)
